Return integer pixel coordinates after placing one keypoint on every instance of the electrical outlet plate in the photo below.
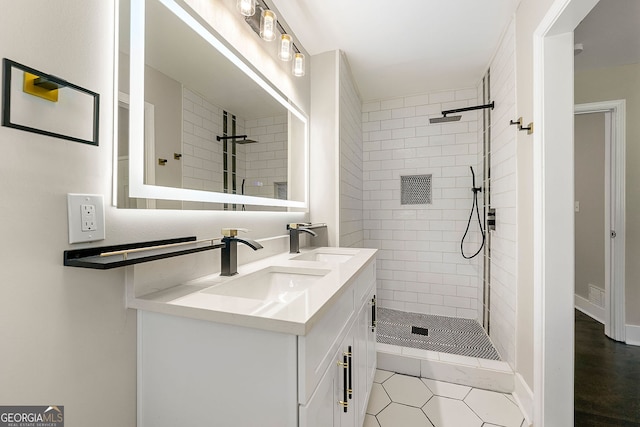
(86, 217)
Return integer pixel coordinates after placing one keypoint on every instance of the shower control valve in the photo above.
(491, 219)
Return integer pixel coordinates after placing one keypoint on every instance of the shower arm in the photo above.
(462, 110)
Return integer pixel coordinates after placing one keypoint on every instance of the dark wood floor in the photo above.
(607, 378)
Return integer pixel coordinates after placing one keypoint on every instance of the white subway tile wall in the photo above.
(266, 159)
(420, 268)
(503, 198)
(351, 163)
(201, 153)
(262, 164)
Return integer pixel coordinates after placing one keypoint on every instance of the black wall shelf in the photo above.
(91, 257)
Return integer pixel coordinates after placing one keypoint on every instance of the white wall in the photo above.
(589, 148)
(528, 17)
(503, 198)
(324, 165)
(351, 215)
(66, 335)
(420, 267)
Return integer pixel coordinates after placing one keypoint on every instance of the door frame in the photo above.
(615, 152)
(553, 212)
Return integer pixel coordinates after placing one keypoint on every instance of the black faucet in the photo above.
(229, 256)
(294, 235)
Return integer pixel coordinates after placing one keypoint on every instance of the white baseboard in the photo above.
(590, 309)
(524, 396)
(632, 334)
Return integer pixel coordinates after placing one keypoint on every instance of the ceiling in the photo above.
(610, 35)
(417, 46)
(407, 47)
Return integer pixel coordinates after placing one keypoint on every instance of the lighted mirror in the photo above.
(198, 128)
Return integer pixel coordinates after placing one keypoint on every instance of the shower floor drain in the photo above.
(436, 333)
(419, 331)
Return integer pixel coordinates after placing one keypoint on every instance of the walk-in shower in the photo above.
(453, 276)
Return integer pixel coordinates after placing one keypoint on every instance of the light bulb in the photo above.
(268, 25)
(246, 7)
(298, 65)
(285, 51)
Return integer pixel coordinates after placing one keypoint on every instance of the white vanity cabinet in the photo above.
(195, 372)
(353, 358)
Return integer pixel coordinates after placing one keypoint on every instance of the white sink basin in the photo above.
(278, 284)
(325, 256)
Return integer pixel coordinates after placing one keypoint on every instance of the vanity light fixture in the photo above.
(286, 48)
(268, 23)
(265, 24)
(246, 7)
(298, 64)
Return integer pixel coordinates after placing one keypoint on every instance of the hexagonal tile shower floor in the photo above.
(436, 333)
(400, 400)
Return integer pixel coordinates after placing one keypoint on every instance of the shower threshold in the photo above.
(444, 348)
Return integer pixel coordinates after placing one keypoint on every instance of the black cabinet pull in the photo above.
(350, 389)
(373, 314)
(345, 366)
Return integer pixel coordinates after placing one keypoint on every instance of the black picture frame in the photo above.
(8, 65)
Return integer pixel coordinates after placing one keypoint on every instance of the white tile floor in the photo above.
(402, 400)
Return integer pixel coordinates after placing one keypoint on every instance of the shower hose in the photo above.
(474, 206)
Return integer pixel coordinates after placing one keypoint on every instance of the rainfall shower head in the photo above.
(444, 119)
(239, 139)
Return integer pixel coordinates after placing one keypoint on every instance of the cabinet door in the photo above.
(360, 360)
(322, 408)
(365, 355)
(326, 407)
(347, 380)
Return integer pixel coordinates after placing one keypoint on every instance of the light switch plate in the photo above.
(86, 217)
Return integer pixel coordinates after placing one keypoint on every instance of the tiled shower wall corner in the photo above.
(420, 267)
(351, 164)
(503, 198)
(479, 168)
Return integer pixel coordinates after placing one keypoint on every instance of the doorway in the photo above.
(601, 183)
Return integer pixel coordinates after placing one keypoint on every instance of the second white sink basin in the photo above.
(335, 256)
(281, 284)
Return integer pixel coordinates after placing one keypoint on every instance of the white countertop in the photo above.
(190, 299)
